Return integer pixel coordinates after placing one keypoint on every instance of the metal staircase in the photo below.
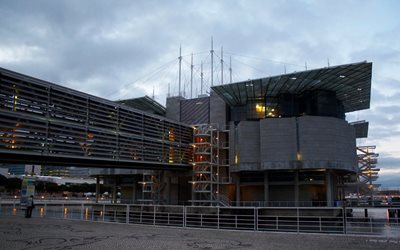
(368, 172)
(210, 165)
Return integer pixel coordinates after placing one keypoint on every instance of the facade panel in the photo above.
(278, 142)
(326, 142)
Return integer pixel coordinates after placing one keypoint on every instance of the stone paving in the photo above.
(17, 232)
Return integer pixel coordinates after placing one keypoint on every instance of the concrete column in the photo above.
(266, 188)
(134, 191)
(237, 188)
(167, 181)
(328, 185)
(97, 188)
(296, 187)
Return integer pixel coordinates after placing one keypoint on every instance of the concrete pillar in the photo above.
(237, 188)
(266, 189)
(168, 188)
(328, 185)
(134, 191)
(296, 188)
(97, 188)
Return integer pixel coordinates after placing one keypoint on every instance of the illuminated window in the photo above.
(260, 108)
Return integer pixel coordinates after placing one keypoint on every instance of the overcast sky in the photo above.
(125, 49)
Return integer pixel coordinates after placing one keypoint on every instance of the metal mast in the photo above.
(201, 79)
(230, 69)
(191, 77)
(212, 62)
(222, 65)
(180, 67)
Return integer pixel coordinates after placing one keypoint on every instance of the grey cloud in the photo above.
(389, 180)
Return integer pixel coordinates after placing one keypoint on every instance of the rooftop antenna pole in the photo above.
(328, 62)
(191, 77)
(168, 90)
(212, 62)
(305, 65)
(180, 67)
(222, 65)
(284, 68)
(230, 69)
(201, 78)
(184, 90)
(153, 93)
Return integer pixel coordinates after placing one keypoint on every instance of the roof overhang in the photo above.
(350, 82)
(146, 104)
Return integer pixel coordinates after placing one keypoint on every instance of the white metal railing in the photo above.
(373, 221)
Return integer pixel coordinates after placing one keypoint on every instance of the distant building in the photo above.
(77, 172)
(22, 169)
(55, 171)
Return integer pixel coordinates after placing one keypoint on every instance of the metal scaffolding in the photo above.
(368, 172)
(210, 165)
(152, 187)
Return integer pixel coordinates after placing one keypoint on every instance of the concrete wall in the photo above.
(327, 142)
(195, 111)
(251, 193)
(173, 110)
(281, 193)
(218, 110)
(248, 136)
(278, 143)
(272, 144)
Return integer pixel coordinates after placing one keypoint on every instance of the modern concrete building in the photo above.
(277, 139)
(280, 140)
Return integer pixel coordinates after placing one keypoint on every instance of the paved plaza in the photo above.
(17, 232)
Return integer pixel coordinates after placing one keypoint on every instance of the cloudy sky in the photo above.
(123, 49)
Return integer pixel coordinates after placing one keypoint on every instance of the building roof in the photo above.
(361, 128)
(351, 82)
(146, 104)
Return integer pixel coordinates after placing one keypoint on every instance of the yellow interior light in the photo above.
(298, 156)
(260, 108)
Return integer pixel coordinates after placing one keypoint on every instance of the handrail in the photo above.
(296, 219)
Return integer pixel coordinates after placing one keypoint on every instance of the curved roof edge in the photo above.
(350, 82)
